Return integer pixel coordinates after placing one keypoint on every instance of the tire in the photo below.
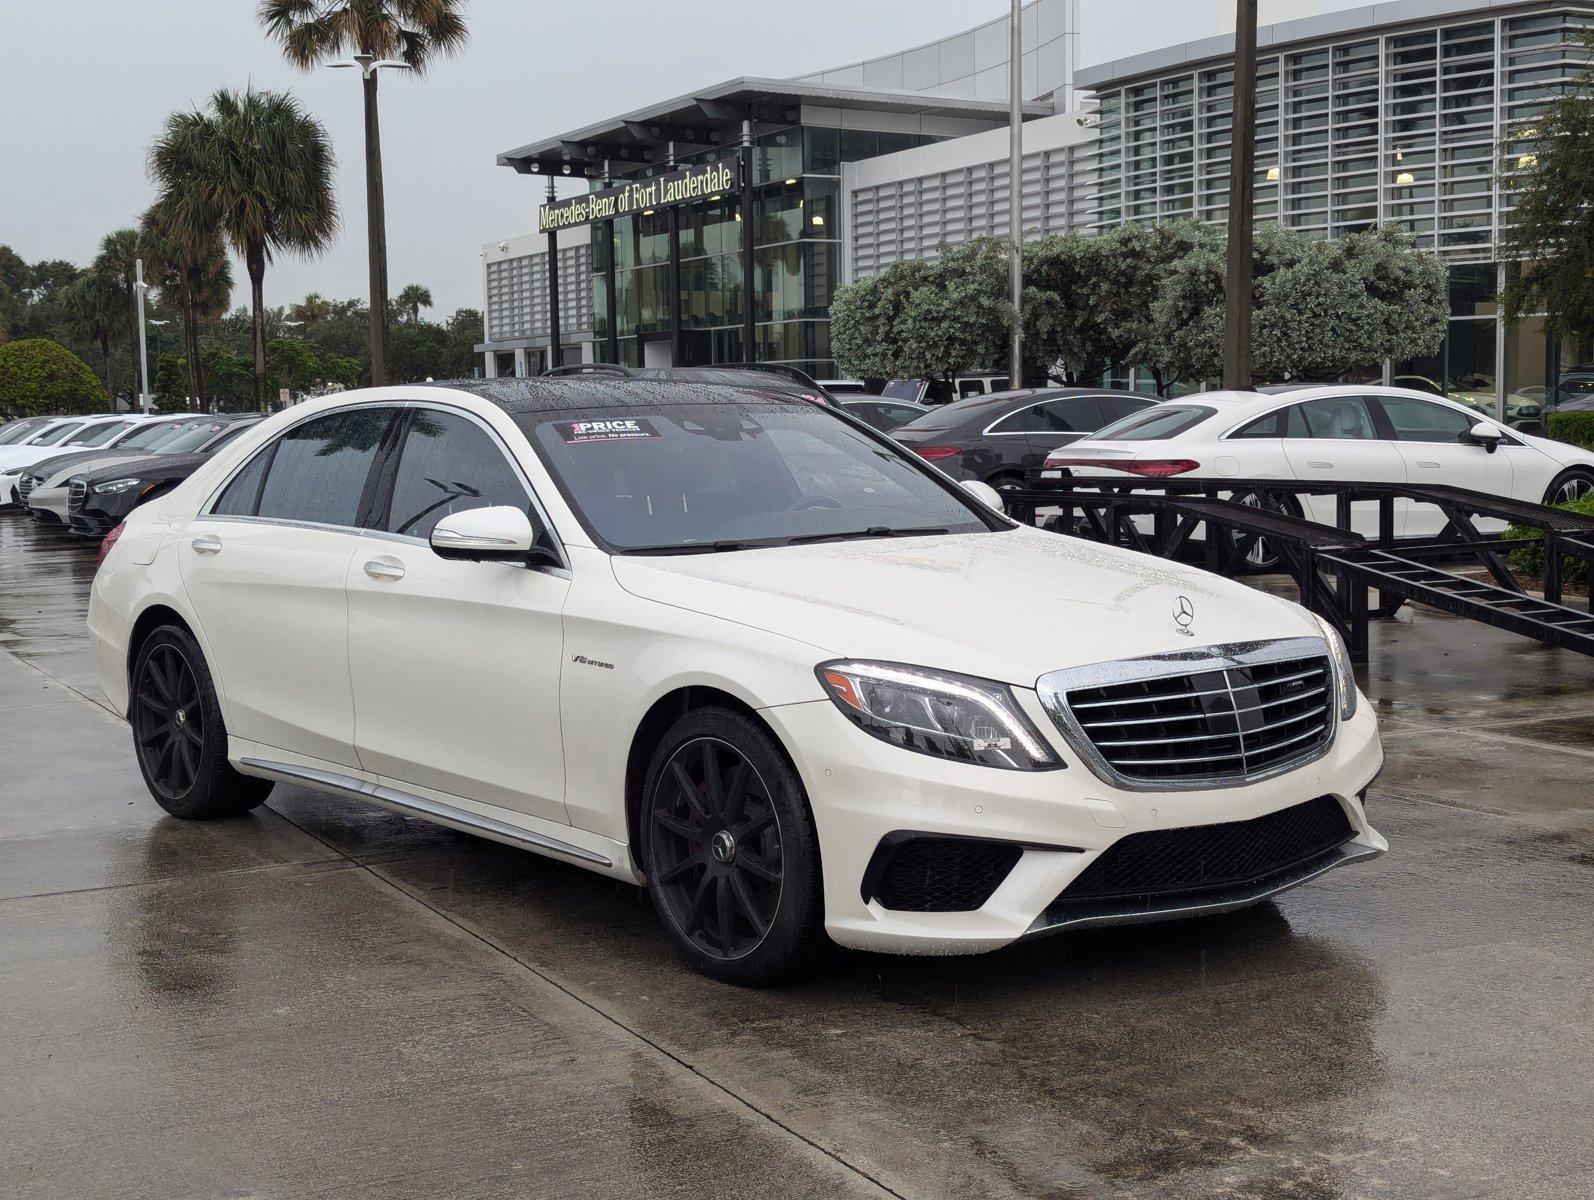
(730, 853)
(1260, 557)
(178, 733)
(1004, 482)
(1572, 484)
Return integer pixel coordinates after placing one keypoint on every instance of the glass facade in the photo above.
(796, 228)
(1420, 128)
(1399, 128)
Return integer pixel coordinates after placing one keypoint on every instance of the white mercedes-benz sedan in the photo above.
(1338, 433)
(736, 648)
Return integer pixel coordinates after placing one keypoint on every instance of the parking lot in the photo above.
(322, 999)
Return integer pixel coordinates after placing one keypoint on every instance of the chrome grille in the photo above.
(1215, 716)
(77, 492)
(25, 486)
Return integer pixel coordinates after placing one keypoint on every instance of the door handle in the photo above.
(384, 568)
(206, 545)
(1326, 466)
(1422, 462)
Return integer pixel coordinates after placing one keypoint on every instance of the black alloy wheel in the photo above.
(168, 721)
(729, 850)
(1569, 486)
(178, 733)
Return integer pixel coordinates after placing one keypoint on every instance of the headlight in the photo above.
(937, 713)
(115, 487)
(1344, 675)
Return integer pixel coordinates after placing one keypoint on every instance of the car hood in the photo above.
(1008, 605)
(55, 470)
(148, 466)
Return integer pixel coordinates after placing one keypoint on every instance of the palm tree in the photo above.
(311, 311)
(190, 262)
(92, 307)
(256, 168)
(411, 31)
(413, 298)
(117, 265)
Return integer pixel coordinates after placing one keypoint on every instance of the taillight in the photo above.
(936, 453)
(1150, 468)
(107, 542)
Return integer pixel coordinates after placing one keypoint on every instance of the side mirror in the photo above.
(502, 533)
(1486, 435)
(984, 493)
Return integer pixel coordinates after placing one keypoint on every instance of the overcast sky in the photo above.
(86, 84)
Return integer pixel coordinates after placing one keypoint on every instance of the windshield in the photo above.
(690, 477)
(217, 441)
(16, 431)
(98, 435)
(54, 437)
(1152, 424)
(190, 436)
(152, 435)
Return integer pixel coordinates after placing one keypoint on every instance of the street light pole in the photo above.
(1242, 188)
(375, 207)
(139, 288)
(1015, 191)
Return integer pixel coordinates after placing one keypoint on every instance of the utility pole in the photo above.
(1242, 188)
(139, 288)
(1015, 190)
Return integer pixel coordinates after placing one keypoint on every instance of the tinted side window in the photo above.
(1281, 423)
(970, 387)
(449, 464)
(1415, 421)
(243, 493)
(1029, 419)
(1078, 415)
(1344, 418)
(319, 469)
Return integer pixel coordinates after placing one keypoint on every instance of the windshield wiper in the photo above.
(874, 531)
(694, 547)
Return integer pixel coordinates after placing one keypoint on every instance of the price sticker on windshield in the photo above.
(623, 429)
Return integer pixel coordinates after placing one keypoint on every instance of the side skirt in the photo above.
(431, 810)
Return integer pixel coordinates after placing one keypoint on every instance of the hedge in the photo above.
(1575, 428)
(40, 377)
(1530, 559)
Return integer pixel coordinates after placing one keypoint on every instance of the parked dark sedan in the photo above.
(998, 438)
(99, 499)
(885, 415)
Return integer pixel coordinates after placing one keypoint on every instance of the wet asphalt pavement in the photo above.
(324, 999)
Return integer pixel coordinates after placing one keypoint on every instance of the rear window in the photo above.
(903, 389)
(1154, 424)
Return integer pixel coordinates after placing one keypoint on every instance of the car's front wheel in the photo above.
(178, 732)
(1574, 484)
(729, 850)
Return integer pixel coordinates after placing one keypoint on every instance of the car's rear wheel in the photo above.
(178, 733)
(1248, 554)
(729, 850)
(1574, 484)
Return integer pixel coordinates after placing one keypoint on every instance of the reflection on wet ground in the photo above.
(327, 999)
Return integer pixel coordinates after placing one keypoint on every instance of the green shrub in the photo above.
(1574, 428)
(39, 377)
(1530, 559)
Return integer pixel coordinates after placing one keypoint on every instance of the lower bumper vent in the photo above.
(925, 873)
(1204, 858)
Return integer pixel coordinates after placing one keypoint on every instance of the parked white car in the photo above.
(1341, 432)
(61, 436)
(735, 647)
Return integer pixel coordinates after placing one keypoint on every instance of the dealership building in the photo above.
(715, 226)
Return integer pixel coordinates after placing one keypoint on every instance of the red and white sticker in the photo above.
(613, 429)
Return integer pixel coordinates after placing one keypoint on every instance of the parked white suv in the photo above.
(735, 647)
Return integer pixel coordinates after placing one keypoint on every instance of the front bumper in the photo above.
(49, 505)
(862, 790)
